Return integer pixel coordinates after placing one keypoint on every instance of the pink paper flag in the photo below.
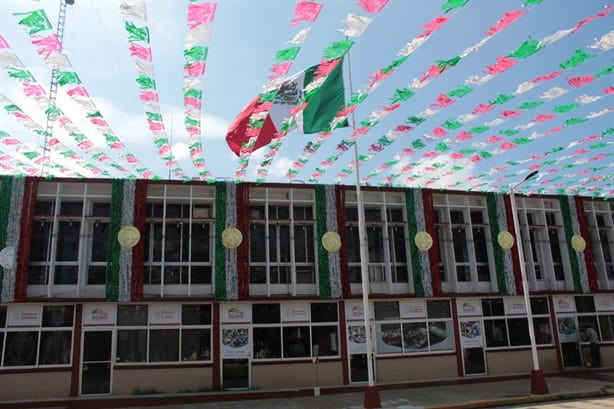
(280, 69)
(439, 132)
(508, 18)
(510, 114)
(306, 11)
(374, 147)
(46, 45)
(193, 102)
(403, 128)
(543, 117)
(3, 43)
(443, 101)
(99, 122)
(195, 69)
(494, 138)
(140, 52)
(430, 154)
(547, 76)
(434, 25)
(372, 6)
(457, 155)
(155, 126)
(609, 90)
(580, 81)
(10, 141)
(482, 109)
(78, 91)
(591, 18)
(503, 64)
(148, 96)
(32, 89)
(200, 13)
(463, 136)
(507, 145)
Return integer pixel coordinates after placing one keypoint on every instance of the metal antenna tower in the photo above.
(53, 89)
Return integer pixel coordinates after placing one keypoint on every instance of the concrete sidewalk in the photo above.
(453, 394)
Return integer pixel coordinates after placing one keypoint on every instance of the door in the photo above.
(96, 362)
(472, 344)
(569, 339)
(235, 358)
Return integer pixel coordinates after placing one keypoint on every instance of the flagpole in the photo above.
(371, 398)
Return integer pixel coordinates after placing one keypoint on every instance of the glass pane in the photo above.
(96, 274)
(196, 314)
(55, 348)
(375, 242)
(66, 274)
(99, 241)
(132, 315)
(2, 316)
(543, 331)
(493, 307)
(441, 336)
(200, 274)
(257, 274)
(164, 345)
(296, 342)
(539, 305)
(325, 338)
(95, 378)
(496, 333)
(131, 346)
(41, 241)
(585, 303)
(68, 241)
(257, 248)
(324, 312)
(474, 360)
(415, 337)
(37, 275)
(519, 331)
(71, 208)
(266, 313)
(58, 315)
(358, 368)
(388, 338)
(20, 348)
(200, 242)
(438, 309)
(195, 344)
(267, 343)
(97, 346)
(386, 310)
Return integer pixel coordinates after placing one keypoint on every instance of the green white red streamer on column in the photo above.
(355, 27)
(200, 19)
(49, 47)
(135, 23)
(434, 71)
(304, 12)
(524, 51)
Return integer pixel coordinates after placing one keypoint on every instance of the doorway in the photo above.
(96, 363)
(235, 373)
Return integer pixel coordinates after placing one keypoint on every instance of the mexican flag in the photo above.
(324, 96)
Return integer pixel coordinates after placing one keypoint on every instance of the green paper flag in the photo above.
(453, 4)
(526, 49)
(460, 91)
(288, 54)
(452, 124)
(146, 82)
(337, 50)
(36, 21)
(561, 109)
(578, 58)
(402, 95)
(531, 105)
(501, 99)
(137, 33)
(68, 77)
(196, 53)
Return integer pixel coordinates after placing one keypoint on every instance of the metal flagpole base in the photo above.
(538, 382)
(372, 398)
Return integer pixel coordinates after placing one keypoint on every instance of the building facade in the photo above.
(230, 285)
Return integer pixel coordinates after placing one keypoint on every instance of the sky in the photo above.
(542, 112)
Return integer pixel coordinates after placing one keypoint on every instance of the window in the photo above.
(400, 330)
(276, 339)
(282, 241)
(465, 245)
(505, 322)
(544, 244)
(385, 228)
(69, 239)
(170, 333)
(600, 216)
(178, 239)
(46, 341)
